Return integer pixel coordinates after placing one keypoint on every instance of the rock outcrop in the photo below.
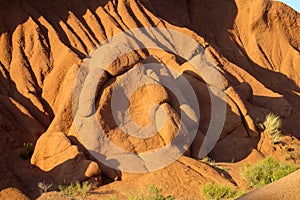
(55, 154)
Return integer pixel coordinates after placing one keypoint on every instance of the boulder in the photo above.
(12, 193)
(55, 154)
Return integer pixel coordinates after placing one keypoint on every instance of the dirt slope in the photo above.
(281, 189)
(254, 44)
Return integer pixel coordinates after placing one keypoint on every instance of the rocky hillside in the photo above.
(254, 46)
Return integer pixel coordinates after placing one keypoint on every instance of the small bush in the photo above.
(76, 189)
(27, 151)
(43, 187)
(266, 171)
(208, 160)
(272, 126)
(276, 137)
(153, 194)
(214, 191)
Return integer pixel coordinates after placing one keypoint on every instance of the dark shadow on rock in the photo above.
(235, 141)
(17, 12)
(281, 107)
(28, 176)
(213, 20)
(111, 173)
(30, 127)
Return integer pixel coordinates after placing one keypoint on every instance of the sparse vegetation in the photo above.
(208, 160)
(276, 137)
(266, 171)
(27, 151)
(153, 194)
(76, 189)
(211, 162)
(272, 126)
(43, 187)
(215, 191)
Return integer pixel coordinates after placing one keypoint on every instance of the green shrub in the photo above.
(208, 161)
(153, 194)
(272, 126)
(76, 189)
(266, 171)
(27, 151)
(214, 191)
